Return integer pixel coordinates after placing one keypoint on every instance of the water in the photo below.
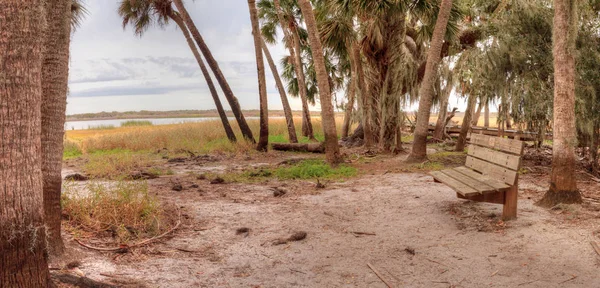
(90, 124)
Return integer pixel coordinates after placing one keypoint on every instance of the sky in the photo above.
(114, 70)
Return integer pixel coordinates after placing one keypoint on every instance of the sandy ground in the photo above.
(414, 232)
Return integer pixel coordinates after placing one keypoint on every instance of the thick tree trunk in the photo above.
(351, 91)
(477, 114)
(263, 140)
(486, 115)
(392, 89)
(212, 62)
(287, 110)
(419, 150)
(332, 149)
(563, 188)
(365, 97)
(594, 149)
(23, 255)
(307, 128)
(211, 86)
(55, 77)
(466, 124)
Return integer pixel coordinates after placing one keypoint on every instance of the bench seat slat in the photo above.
(481, 187)
(498, 185)
(454, 184)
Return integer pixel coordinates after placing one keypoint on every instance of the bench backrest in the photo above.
(499, 158)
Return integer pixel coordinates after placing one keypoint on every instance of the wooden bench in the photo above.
(490, 174)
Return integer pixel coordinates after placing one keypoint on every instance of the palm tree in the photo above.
(563, 185)
(287, 110)
(332, 149)
(419, 149)
(140, 14)
(263, 141)
(271, 13)
(212, 62)
(55, 77)
(23, 254)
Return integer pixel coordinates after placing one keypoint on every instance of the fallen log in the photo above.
(299, 147)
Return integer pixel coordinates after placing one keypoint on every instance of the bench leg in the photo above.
(510, 202)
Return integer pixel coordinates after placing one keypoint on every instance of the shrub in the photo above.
(131, 123)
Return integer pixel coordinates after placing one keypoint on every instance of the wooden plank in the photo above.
(473, 183)
(498, 185)
(510, 161)
(495, 198)
(494, 171)
(509, 211)
(498, 143)
(454, 184)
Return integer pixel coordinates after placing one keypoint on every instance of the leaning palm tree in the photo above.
(55, 77)
(141, 14)
(419, 150)
(212, 62)
(23, 260)
(332, 149)
(263, 140)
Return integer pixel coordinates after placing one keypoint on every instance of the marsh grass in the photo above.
(71, 149)
(102, 127)
(117, 164)
(135, 123)
(123, 210)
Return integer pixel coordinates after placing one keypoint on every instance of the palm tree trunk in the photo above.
(563, 186)
(307, 128)
(55, 77)
(466, 124)
(23, 255)
(263, 140)
(477, 113)
(287, 110)
(486, 114)
(419, 150)
(349, 107)
(332, 149)
(594, 149)
(212, 62)
(211, 86)
(440, 124)
(365, 97)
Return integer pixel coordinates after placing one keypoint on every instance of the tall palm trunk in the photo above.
(263, 140)
(477, 114)
(392, 87)
(291, 45)
(350, 93)
(365, 97)
(307, 128)
(563, 188)
(211, 86)
(287, 110)
(332, 148)
(55, 77)
(233, 102)
(23, 257)
(486, 114)
(466, 124)
(419, 150)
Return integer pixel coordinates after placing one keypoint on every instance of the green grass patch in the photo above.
(123, 210)
(304, 170)
(133, 123)
(71, 149)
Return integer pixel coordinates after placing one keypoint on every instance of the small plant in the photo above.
(71, 149)
(133, 123)
(123, 210)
